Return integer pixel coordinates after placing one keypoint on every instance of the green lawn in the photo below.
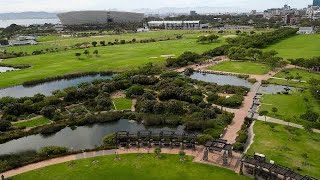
(122, 103)
(294, 73)
(132, 166)
(60, 42)
(244, 67)
(290, 107)
(300, 46)
(33, 122)
(291, 147)
(118, 58)
(305, 75)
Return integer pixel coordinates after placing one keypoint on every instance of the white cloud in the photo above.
(65, 5)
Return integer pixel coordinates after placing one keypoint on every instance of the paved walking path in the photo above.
(197, 154)
(279, 121)
(240, 114)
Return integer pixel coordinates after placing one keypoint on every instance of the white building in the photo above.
(175, 24)
(306, 30)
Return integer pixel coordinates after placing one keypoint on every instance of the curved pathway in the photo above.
(195, 153)
(215, 159)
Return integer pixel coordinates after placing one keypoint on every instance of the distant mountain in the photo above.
(186, 10)
(27, 15)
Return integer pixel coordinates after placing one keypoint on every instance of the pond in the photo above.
(48, 87)
(221, 79)
(4, 69)
(273, 89)
(84, 137)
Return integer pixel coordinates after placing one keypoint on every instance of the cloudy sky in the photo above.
(66, 5)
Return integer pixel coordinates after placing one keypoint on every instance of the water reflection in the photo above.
(84, 137)
(221, 79)
(47, 88)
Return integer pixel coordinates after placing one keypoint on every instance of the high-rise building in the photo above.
(316, 2)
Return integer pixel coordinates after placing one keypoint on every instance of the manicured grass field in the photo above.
(122, 103)
(294, 73)
(290, 107)
(305, 75)
(33, 122)
(241, 67)
(300, 46)
(132, 166)
(61, 42)
(118, 58)
(291, 147)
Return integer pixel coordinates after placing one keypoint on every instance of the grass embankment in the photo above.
(297, 74)
(122, 103)
(131, 166)
(291, 147)
(32, 122)
(290, 107)
(117, 58)
(300, 46)
(243, 67)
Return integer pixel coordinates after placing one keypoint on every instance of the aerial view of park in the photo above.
(169, 93)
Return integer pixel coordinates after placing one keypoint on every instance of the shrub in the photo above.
(52, 150)
(110, 139)
(5, 125)
(204, 138)
(134, 90)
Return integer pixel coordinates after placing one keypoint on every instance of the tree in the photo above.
(274, 110)
(5, 125)
(86, 52)
(157, 151)
(96, 52)
(182, 155)
(48, 111)
(78, 55)
(212, 38)
(264, 113)
(94, 43)
(134, 90)
(102, 43)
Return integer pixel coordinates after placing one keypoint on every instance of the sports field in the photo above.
(244, 67)
(300, 46)
(117, 58)
(291, 147)
(132, 166)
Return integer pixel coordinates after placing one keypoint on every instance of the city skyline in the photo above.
(126, 5)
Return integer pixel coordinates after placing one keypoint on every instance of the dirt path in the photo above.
(197, 154)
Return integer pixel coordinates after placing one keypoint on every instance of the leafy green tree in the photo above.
(96, 52)
(5, 125)
(274, 110)
(78, 55)
(102, 43)
(94, 43)
(157, 151)
(86, 52)
(264, 113)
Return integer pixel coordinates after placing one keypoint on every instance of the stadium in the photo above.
(99, 17)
